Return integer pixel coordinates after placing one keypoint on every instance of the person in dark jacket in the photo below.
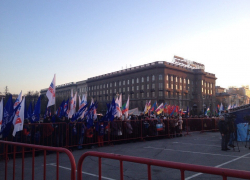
(223, 128)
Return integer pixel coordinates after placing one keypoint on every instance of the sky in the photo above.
(80, 39)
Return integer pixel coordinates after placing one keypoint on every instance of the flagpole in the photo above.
(55, 96)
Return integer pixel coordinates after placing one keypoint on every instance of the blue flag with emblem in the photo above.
(36, 114)
(8, 116)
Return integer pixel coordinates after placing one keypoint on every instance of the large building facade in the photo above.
(186, 85)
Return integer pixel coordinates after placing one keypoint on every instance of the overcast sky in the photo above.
(80, 39)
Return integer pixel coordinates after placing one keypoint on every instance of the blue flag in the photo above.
(173, 111)
(90, 115)
(65, 109)
(30, 112)
(79, 113)
(47, 113)
(36, 114)
(60, 109)
(8, 116)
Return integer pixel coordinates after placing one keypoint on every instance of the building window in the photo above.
(153, 94)
(128, 89)
(100, 92)
(147, 94)
(180, 80)
(176, 86)
(211, 91)
(133, 88)
(142, 87)
(103, 91)
(115, 84)
(147, 86)
(171, 94)
(202, 82)
(137, 80)
(110, 91)
(114, 90)
(201, 89)
(123, 90)
(160, 77)
(142, 79)
(205, 91)
(120, 90)
(166, 94)
(172, 86)
(142, 95)
(180, 87)
(103, 86)
(167, 85)
(166, 77)
(172, 78)
(100, 86)
(184, 81)
(133, 96)
(107, 85)
(188, 81)
(120, 83)
(160, 94)
(205, 84)
(211, 85)
(176, 79)
(153, 77)
(128, 81)
(208, 91)
(160, 86)
(153, 86)
(147, 78)
(137, 95)
(107, 91)
(123, 82)
(137, 88)
(132, 81)
(110, 84)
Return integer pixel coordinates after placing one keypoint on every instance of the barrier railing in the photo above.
(72, 135)
(34, 148)
(152, 162)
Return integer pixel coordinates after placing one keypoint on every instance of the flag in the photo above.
(64, 112)
(165, 110)
(1, 113)
(125, 111)
(19, 118)
(59, 112)
(90, 115)
(159, 109)
(8, 115)
(51, 93)
(18, 100)
(208, 111)
(79, 113)
(148, 106)
(30, 112)
(221, 108)
(37, 110)
(118, 105)
(83, 101)
(72, 104)
(153, 108)
(173, 111)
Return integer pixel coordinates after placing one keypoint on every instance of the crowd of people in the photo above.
(62, 132)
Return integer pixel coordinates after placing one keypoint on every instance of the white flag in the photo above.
(72, 105)
(118, 104)
(19, 118)
(51, 93)
(1, 113)
(126, 109)
(18, 100)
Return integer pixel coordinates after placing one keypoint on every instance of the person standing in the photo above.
(223, 128)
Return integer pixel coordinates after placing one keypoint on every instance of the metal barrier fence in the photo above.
(75, 135)
(33, 149)
(152, 162)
